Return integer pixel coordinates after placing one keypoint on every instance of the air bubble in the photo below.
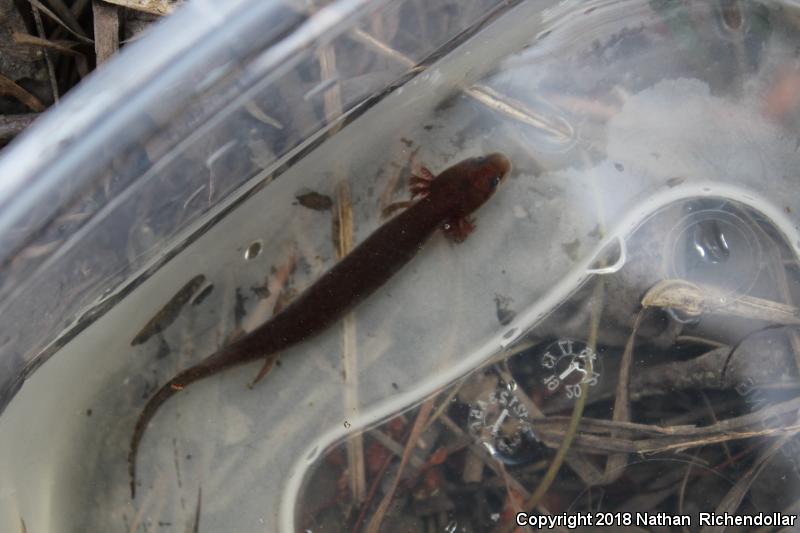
(253, 251)
(715, 248)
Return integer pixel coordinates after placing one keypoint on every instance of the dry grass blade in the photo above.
(676, 294)
(622, 406)
(694, 300)
(381, 47)
(519, 111)
(155, 7)
(571, 433)
(599, 426)
(533, 501)
(377, 480)
(760, 309)
(585, 469)
(485, 457)
(658, 446)
(631, 430)
(416, 460)
(424, 413)
(730, 503)
(78, 7)
(195, 527)
(65, 13)
(445, 404)
(566, 442)
(51, 72)
(259, 114)
(9, 87)
(332, 96)
(77, 32)
(65, 47)
(106, 30)
(621, 446)
(355, 444)
(682, 489)
(485, 95)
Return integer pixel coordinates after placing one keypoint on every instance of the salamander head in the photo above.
(490, 171)
(468, 184)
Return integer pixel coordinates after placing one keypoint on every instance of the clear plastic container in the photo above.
(647, 237)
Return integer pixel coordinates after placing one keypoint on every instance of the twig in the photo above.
(419, 424)
(332, 97)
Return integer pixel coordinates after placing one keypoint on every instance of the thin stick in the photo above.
(419, 424)
(376, 482)
(483, 94)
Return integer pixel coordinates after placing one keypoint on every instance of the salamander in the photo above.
(445, 202)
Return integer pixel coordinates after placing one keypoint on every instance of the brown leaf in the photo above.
(315, 201)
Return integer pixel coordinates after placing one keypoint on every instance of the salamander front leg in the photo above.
(418, 186)
(421, 185)
(457, 230)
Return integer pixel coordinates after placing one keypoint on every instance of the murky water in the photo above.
(650, 142)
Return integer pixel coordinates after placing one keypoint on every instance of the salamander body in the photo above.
(446, 202)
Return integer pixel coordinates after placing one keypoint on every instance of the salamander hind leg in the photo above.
(268, 364)
(457, 230)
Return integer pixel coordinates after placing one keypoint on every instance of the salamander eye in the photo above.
(494, 182)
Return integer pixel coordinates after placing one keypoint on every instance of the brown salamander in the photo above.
(446, 202)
